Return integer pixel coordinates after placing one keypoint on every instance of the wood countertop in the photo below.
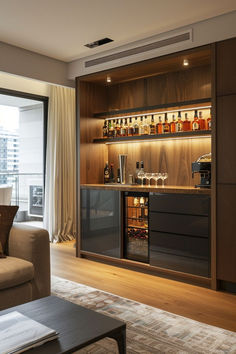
(158, 189)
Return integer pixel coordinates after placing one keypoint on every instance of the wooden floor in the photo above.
(204, 305)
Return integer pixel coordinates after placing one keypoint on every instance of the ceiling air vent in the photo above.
(182, 37)
(98, 43)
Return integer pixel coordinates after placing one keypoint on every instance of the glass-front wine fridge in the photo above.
(136, 226)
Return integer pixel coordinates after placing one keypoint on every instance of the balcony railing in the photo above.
(27, 193)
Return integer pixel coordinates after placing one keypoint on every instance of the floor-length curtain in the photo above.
(60, 181)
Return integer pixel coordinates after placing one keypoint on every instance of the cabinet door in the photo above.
(100, 222)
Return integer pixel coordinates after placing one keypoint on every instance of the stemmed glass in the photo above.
(156, 177)
(148, 177)
(141, 175)
(163, 176)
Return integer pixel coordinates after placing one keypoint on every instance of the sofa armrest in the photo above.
(32, 244)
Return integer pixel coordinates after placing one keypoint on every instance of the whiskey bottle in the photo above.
(106, 173)
(186, 123)
(141, 126)
(117, 129)
(152, 128)
(202, 122)
(136, 179)
(111, 174)
(195, 122)
(136, 127)
(166, 125)
(179, 124)
(110, 129)
(159, 126)
(122, 128)
(125, 128)
(209, 122)
(173, 125)
(145, 127)
(130, 128)
(105, 130)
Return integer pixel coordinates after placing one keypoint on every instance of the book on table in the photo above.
(19, 333)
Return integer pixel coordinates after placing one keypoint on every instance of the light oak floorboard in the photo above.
(201, 304)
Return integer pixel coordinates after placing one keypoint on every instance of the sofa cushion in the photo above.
(15, 271)
(7, 214)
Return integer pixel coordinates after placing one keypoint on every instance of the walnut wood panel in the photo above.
(226, 141)
(179, 86)
(226, 226)
(167, 63)
(92, 157)
(127, 95)
(226, 68)
(172, 156)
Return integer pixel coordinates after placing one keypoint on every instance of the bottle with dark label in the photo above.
(166, 125)
(105, 130)
(152, 127)
(159, 126)
(179, 124)
(136, 180)
(111, 172)
(186, 123)
(136, 126)
(195, 122)
(106, 173)
(202, 122)
(118, 175)
(130, 128)
(173, 125)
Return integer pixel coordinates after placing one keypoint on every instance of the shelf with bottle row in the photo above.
(146, 126)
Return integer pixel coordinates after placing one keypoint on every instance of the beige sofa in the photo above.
(25, 273)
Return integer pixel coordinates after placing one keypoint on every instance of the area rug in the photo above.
(149, 330)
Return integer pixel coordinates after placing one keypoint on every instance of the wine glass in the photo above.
(141, 175)
(148, 176)
(163, 176)
(156, 177)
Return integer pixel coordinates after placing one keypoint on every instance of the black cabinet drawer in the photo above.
(179, 245)
(179, 224)
(180, 203)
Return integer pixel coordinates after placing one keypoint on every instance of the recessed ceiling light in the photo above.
(108, 79)
(185, 62)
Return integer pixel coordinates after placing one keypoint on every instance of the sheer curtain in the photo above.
(60, 182)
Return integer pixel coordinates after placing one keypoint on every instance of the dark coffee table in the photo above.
(77, 326)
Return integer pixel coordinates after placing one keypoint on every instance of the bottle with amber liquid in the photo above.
(195, 122)
(159, 126)
(117, 128)
(166, 125)
(145, 127)
(130, 128)
(105, 130)
(186, 123)
(209, 122)
(111, 129)
(173, 125)
(141, 126)
(152, 127)
(179, 124)
(202, 122)
(122, 128)
(136, 127)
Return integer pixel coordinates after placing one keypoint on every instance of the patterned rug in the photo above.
(149, 330)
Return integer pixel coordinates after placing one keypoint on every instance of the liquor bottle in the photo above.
(145, 127)
(141, 126)
(110, 129)
(173, 125)
(130, 128)
(104, 129)
(152, 128)
(118, 175)
(125, 128)
(111, 174)
(195, 122)
(159, 126)
(166, 125)
(117, 129)
(186, 123)
(209, 122)
(106, 173)
(136, 127)
(136, 179)
(122, 128)
(179, 124)
(202, 122)
(142, 171)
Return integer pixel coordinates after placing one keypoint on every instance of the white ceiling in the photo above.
(61, 28)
